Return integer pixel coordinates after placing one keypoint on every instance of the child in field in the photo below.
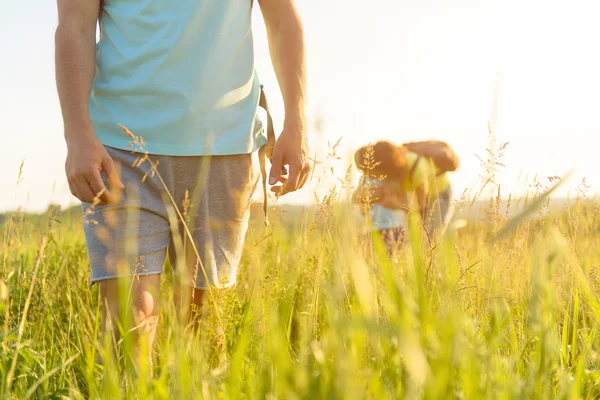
(383, 203)
(420, 169)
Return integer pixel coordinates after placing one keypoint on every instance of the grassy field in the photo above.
(506, 307)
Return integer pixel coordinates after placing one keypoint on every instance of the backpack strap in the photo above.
(262, 102)
(100, 13)
(266, 151)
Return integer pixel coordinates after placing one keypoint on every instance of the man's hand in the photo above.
(86, 160)
(291, 149)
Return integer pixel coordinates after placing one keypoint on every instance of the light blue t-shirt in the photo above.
(180, 74)
(384, 218)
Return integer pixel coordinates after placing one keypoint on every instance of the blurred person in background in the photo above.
(419, 170)
(383, 205)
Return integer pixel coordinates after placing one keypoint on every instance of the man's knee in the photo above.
(144, 304)
(145, 300)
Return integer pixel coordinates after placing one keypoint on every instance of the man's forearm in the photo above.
(75, 66)
(286, 45)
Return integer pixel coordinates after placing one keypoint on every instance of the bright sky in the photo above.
(394, 69)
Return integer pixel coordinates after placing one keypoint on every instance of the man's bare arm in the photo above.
(75, 65)
(75, 61)
(286, 44)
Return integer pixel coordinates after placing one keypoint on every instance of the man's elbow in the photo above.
(295, 28)
(285, 24)
(295, 24)
(60, 34)
(68, 32)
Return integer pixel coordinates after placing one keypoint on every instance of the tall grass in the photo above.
(317, 314)
(506, 307)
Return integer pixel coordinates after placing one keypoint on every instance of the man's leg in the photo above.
(219, 209)
(189, 303)
(142, 300)
(127, 244)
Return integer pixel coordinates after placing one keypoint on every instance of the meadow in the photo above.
(506, 307)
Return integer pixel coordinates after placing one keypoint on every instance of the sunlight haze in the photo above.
(398, 70)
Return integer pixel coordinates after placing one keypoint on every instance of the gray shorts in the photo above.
(135, 236)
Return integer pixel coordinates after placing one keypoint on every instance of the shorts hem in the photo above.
(208, 287)
(105, 278)
(226, 286)
(199, 287)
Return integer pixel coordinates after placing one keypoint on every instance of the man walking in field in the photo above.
(181, 76)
